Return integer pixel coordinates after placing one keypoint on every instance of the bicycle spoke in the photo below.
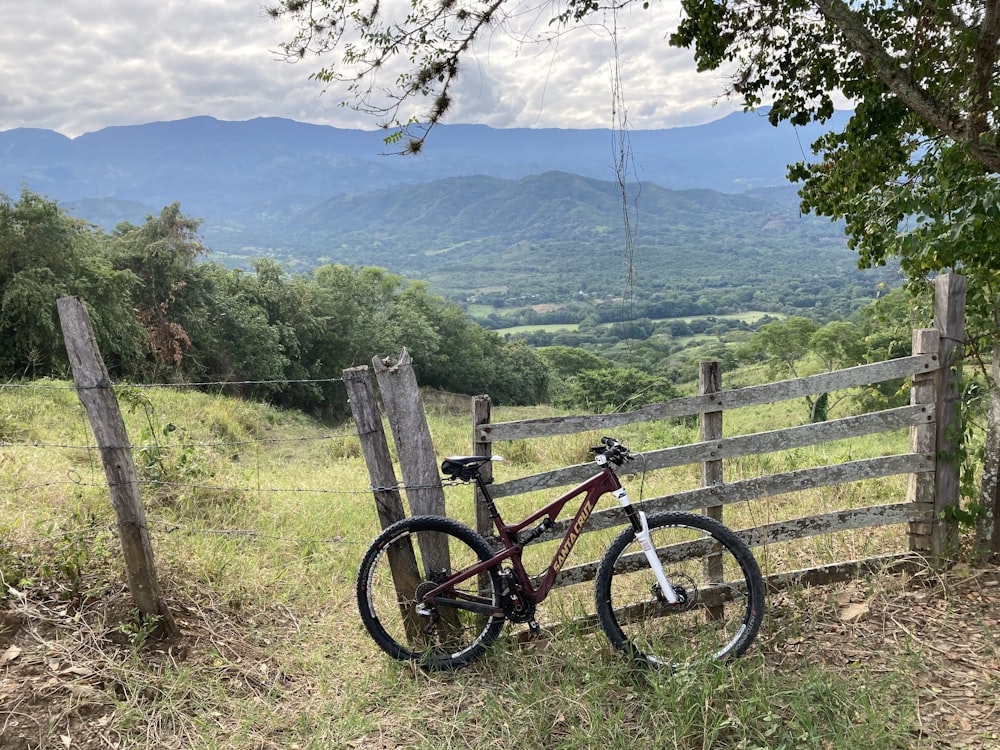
(719, 588)
(411, 559)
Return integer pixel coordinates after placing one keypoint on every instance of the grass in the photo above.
(260, 576)
(750, 317)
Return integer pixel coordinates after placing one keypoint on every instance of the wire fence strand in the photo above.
(57, 527)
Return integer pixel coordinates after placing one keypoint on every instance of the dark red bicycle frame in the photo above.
(605, 481)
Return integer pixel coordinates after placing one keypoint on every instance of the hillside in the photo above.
(549, 236)
(532, 214)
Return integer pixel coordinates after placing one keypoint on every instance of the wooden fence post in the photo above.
(481, 406)
(710, 428)
(988, 527)
(364, 409)
(406, 575)
(920, 486)
(95, 392)
(414, 447)
(949, 319)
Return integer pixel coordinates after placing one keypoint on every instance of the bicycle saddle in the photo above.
(465, 467)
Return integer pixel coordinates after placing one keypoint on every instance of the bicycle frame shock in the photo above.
(641, 528)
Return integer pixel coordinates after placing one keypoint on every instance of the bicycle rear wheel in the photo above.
(713, 572)
(409, 559)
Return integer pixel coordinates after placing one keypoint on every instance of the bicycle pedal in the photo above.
(534, 631)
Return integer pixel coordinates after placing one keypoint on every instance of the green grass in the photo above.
(257, 546)
(749, 317)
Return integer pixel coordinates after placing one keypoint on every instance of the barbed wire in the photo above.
(181, 384)
(181, 446)
(267, 490)
(169, 527)
(191, 486)
(42, 485)
(299, 381)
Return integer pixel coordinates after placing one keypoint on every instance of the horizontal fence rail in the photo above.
(734, 447)
(754, 395)
(923, 368)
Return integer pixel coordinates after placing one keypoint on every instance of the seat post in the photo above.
(487, 497)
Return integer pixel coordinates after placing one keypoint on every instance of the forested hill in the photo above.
(247, 180)
(549, 236)
(496, 215)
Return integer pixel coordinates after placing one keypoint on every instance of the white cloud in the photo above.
(80, 65)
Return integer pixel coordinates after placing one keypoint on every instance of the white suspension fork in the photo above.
(649, 549)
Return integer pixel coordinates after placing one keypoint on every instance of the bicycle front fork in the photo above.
(641, 527)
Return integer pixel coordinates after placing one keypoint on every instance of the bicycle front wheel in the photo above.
(408, 560)
(714, 575)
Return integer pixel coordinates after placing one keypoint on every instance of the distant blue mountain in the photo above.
(480, 212)
(305, 193)
(222, 169)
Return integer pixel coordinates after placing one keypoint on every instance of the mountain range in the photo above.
(544, 199)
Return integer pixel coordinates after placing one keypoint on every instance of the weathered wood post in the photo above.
(710, 428)
(374, 447)
(920, 488)
(949, 320)
(97, 396)
(406, 575)
(414, 448)
(481, 406)
(988, 526)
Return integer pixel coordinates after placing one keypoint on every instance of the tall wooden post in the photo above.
(710, 428)
(920, 488)
(406, 575)
(481, 406)
(949, 319)
(415, 449)
(988, 527)
(95, 392)
(364, 409)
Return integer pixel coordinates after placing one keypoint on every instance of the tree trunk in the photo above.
(988, 525)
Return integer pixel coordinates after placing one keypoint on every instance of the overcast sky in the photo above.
(76, 66)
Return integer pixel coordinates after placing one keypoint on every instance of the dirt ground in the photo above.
(56, 689)
(947, 622)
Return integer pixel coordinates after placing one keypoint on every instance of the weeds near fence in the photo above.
(257, 553)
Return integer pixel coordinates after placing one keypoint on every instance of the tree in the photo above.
(161, 253)
(914, 174)
(782, 344)
(614, 389)
(788, 344)
(45, 255)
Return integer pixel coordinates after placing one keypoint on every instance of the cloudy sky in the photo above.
(76, 66)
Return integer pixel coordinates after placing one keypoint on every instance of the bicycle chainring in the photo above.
(516, 606)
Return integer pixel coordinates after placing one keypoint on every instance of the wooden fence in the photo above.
(934, 373)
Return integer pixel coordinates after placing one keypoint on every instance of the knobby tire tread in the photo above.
(370, 619)
(741, 553)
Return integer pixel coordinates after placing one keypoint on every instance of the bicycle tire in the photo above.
(444, 637)
(721, 614)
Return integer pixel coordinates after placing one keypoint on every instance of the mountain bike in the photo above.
(671, 588)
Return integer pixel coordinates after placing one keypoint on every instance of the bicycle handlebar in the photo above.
(611, 449)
